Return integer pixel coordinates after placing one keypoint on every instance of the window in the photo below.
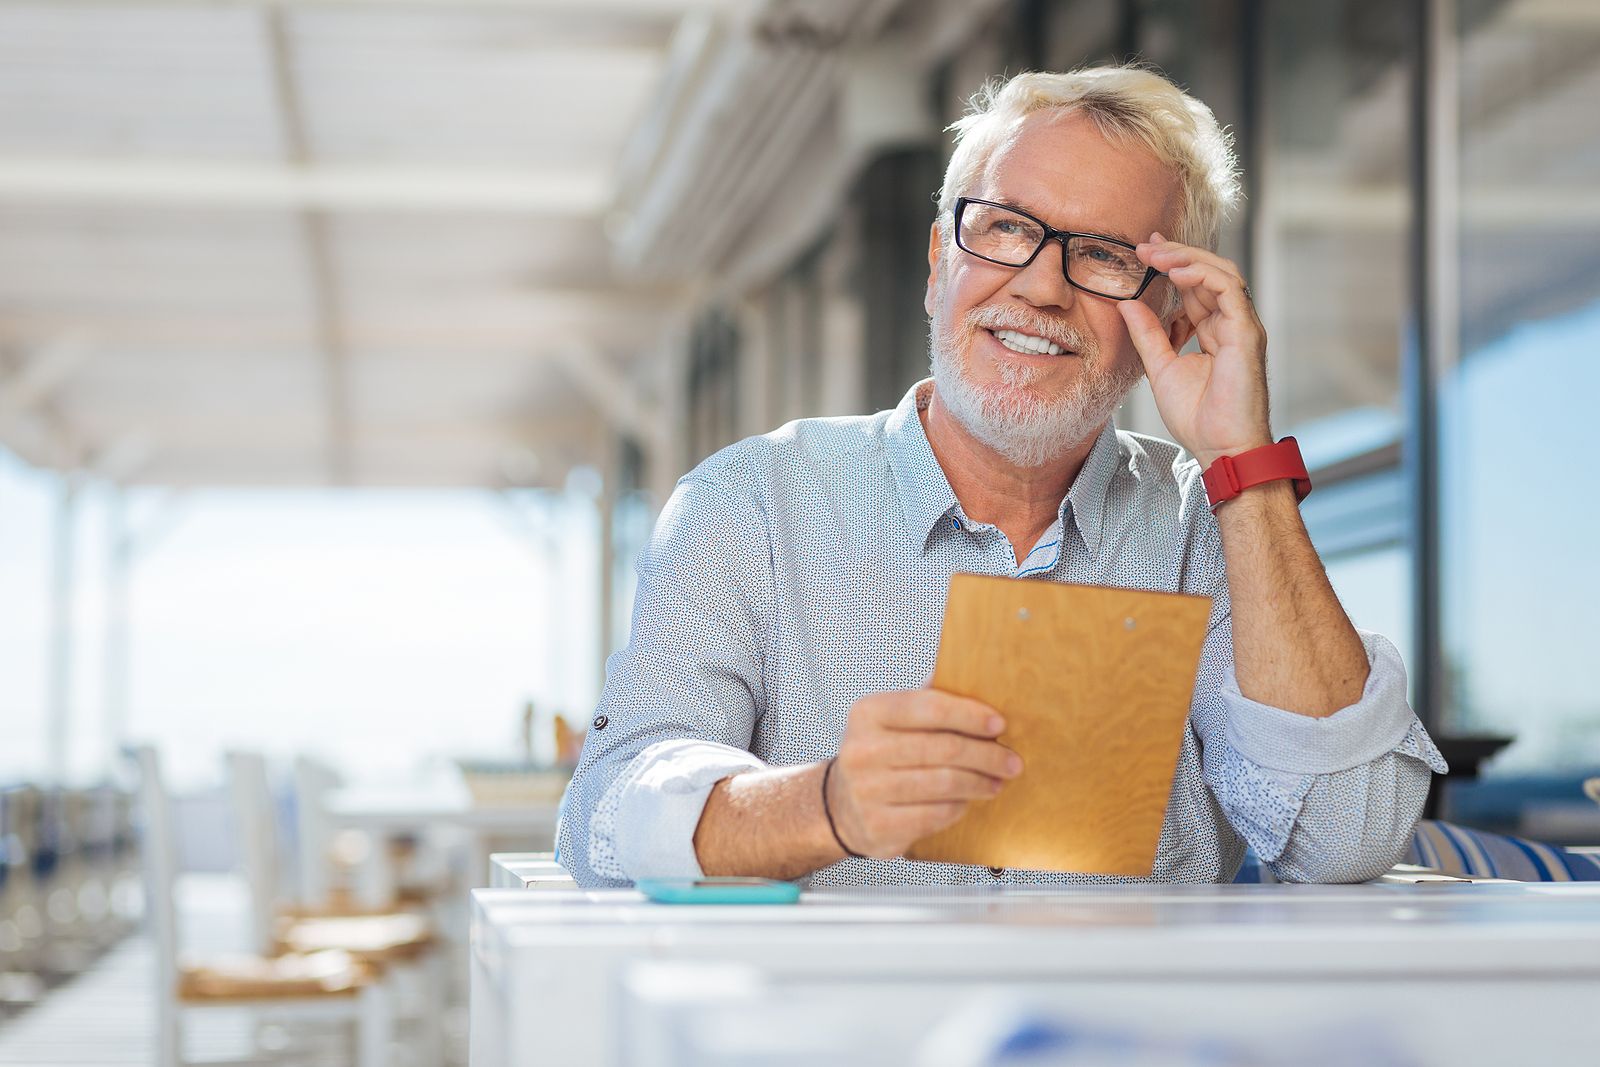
(1517, 477)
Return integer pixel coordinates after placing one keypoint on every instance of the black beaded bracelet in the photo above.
(826, 810)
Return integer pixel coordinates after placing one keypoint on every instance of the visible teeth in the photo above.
(1022, 342)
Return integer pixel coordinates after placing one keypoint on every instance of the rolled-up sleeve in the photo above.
(1329, 799)
(680, 702)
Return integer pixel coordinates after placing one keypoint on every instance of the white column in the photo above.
(59, 678)
(666, 461)
(605, 511)
(843, 356)
(755, 414)
(117, 681)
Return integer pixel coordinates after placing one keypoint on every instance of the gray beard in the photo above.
(1027, 429)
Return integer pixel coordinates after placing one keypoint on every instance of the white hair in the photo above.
(1126, 103)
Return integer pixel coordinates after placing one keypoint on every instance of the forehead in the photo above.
(1059, 166)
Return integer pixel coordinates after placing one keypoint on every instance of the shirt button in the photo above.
(998, 872)
(600, 722)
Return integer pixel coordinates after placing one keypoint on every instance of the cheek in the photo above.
(969, 283)
(1112, 333)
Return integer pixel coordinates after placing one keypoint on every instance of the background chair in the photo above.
(400, 941)
(299, 988)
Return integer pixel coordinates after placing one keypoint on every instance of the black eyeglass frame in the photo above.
(1050, 234)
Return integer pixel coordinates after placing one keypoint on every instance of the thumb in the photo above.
(1149, 337)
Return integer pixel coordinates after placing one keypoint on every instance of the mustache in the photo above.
(1023, 320)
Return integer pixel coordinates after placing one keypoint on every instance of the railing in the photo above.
(69, 878)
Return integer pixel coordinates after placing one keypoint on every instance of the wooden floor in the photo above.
(106, 1017)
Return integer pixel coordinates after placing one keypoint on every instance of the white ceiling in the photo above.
(319, 242)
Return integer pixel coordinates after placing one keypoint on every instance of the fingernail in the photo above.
(1014, 764)
(996, 724)
(1157, 237)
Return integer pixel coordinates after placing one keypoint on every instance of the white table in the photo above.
(387, 812)
(527, 870)
(1446, 973)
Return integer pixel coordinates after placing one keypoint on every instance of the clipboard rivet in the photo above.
(1128, 623)
(1022, 613)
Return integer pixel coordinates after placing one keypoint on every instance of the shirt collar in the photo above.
(1087, 497)
(925, 493)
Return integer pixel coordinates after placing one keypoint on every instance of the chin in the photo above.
(1023, 411)
(1036, 385)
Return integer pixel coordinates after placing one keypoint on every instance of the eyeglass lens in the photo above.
(1011, 239)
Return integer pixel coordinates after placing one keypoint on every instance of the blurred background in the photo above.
(348, 347)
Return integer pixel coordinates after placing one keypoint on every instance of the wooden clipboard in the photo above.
(1095, 685)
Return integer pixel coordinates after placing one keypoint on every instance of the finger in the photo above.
(903, 826)
(1149, 336)
(1198, 303)
(1215, 286)
(920, 820)
(930, 709)
(1169, 258)
(941, 748)
(929, 785)
(1163, 254)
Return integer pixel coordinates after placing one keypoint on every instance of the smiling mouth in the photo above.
(1028, 344)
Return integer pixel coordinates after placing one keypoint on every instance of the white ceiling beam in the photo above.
(40, 375)
(573, 191)
(585, 7)
(1319, 207)
(1551, 15)
(326, 294)
(123, 459)
(615, 396)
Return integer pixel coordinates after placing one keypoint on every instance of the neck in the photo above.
(1022, 501)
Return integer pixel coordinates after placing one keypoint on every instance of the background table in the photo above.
(1442, 973)
(406, 811)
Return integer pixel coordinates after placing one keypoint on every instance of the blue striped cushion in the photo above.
(1466, 853)
(1470, 853)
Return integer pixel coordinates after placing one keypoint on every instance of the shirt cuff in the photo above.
(1282, 741)
(659, 800)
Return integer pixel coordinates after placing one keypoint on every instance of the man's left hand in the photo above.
(1214, 402)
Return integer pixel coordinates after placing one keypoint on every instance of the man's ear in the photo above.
(935, 253)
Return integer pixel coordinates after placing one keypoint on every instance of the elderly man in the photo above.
(770, 715)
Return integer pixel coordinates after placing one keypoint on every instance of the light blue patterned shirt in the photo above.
(792, 573)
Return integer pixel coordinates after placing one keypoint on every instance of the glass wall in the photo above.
(1318, 100)
(1331, 227)
(1331, 219)
(1520, 583)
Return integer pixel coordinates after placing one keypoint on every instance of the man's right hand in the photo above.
(909, 765)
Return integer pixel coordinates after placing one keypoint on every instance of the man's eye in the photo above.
(1011, 228)
(1115, 258)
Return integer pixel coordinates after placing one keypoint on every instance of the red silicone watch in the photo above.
(1231, 475)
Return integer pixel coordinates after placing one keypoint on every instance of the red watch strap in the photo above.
(1231, 475)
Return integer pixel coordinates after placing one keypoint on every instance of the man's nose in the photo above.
(1043, 283)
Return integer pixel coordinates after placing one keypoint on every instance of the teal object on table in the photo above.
(718, 890)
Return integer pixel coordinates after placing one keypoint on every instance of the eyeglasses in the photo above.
(1100, 265)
